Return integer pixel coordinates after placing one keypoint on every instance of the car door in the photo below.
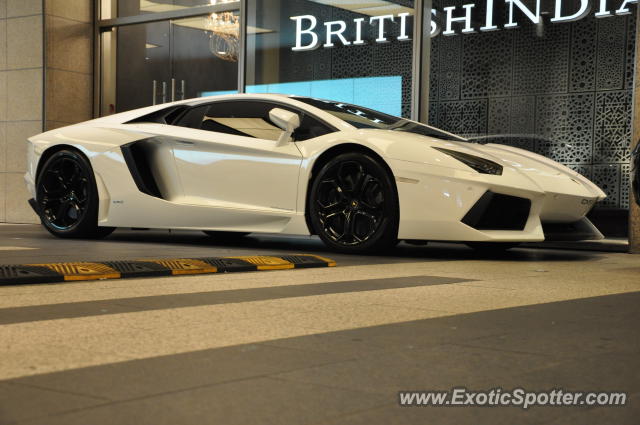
(231, 159)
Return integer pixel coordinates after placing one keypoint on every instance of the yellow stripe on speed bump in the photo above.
(268, 263)
(329, 261)
(183, 266)
(82, 271)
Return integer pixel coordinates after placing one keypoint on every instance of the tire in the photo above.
(225, 235)
(67, 197)
(492, 247)
(353, 204)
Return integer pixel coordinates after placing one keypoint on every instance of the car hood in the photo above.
(545, 172)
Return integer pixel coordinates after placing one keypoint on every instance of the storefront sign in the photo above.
(306, 25)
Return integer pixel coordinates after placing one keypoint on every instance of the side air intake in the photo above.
(495, 211)
(136, 157)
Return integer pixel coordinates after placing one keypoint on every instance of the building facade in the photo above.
(551, 76)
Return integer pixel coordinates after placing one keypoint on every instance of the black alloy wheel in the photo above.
(353, 204)
(67, 197)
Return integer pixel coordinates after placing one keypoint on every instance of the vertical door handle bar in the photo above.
(155, 92)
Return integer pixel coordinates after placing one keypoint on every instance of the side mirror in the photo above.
(287, 121)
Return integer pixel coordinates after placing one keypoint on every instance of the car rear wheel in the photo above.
(67, 197)
(353, 204)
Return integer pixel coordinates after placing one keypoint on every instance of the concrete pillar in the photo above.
(68, 94)
(21, 101)
(634, 209)
(46, 81)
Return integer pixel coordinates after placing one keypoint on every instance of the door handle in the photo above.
(183, 89)
(164, 92)
(173, 89)
(155, 92)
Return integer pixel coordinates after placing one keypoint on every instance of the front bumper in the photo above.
(438, 203)
(581, 230)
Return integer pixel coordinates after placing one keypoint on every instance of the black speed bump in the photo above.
(308, 261)
(83, 271)
(28, 274)
(225, 265)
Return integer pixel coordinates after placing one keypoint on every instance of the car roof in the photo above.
(127, 116)
(237, 96)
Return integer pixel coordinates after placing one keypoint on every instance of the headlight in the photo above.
(481, 165)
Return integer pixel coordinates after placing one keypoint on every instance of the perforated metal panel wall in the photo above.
(561, 90)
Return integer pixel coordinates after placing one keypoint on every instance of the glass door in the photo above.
(143, 65)
(204, 54)
(163, 61)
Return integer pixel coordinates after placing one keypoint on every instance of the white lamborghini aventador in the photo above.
(359, 179)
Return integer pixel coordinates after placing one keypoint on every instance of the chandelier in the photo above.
(224, 33)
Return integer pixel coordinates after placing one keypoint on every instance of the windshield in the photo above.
(361, 117)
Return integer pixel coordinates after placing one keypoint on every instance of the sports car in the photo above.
(359, 179)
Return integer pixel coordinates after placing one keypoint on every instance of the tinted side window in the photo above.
(241, 118)
(248, 119)
(310, 128)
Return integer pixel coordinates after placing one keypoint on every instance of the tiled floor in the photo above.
(317, 346)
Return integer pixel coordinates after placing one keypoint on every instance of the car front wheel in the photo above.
(67, 197)
(353, 204)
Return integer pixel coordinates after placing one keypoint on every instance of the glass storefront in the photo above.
(551, 76)
(376, 75)
(155, 60)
